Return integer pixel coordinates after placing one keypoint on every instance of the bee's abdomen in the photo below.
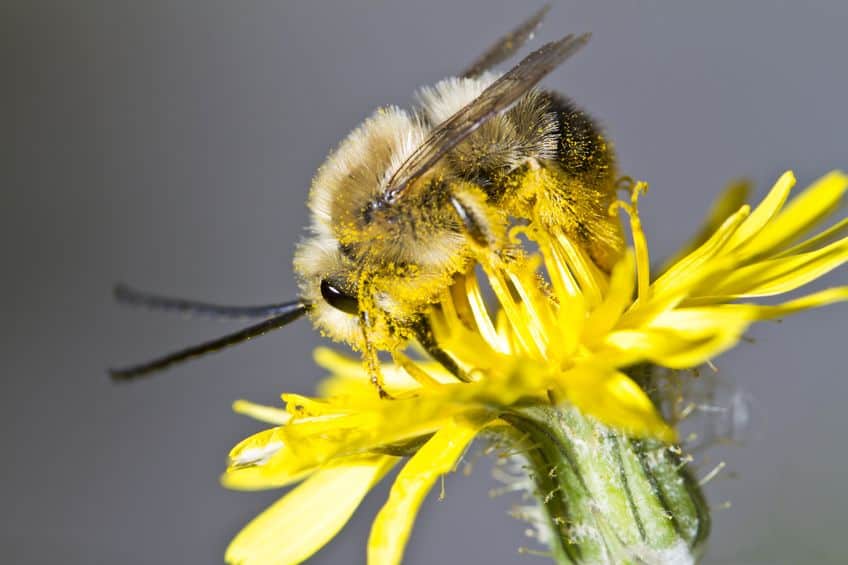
(546, 128)
(582, 149)
(571, 191)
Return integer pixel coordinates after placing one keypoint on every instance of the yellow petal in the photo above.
(482, 319)
(777, 276)
(247, 469)
(618, 298)
(801, 214)
(669, 348)
(613, 398)
(393, 524)
(280, 456)
(831, 234)
(336, 363)
(267, 414)
(308, 516)
(731, 199)
(814, 300)
(351, 379)
(591, 280)
(765, 211)
(678, 280)
(687, 337)
(303, 407)
(283, 455)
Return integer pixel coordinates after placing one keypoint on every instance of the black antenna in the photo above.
(126, 295)
(278, 316)
(295, 311)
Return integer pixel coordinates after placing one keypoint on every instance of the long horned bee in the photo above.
(413, 198)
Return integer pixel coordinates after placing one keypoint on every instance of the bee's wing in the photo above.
(497, 98)
(507, 45)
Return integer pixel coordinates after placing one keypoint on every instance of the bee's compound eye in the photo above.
(339, 299)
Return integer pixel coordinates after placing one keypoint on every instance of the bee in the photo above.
(411, 199)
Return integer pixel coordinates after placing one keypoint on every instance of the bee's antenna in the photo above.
(287, 313)
(126, 295)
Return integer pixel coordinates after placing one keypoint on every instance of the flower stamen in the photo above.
(640, 242)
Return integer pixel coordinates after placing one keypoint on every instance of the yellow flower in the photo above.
(563, 332)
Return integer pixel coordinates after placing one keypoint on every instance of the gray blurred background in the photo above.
(171, 145)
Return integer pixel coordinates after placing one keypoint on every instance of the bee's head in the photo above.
(343, 296)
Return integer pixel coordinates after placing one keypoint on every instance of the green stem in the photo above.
(608, 498)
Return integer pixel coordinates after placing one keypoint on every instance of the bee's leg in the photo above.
(424, 335)
(417, 373)
(370, 357)
(471, 224)
(483, 224)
